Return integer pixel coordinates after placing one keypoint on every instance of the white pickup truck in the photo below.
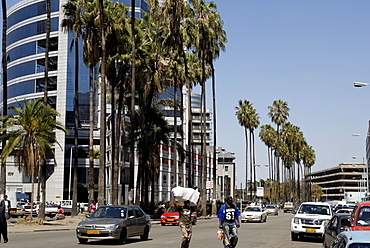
(310, 219)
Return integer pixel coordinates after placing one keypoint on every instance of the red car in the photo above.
(171, 216)
(360, 217)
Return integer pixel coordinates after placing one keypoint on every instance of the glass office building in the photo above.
(26, 39)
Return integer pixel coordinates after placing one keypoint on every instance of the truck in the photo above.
(17, 201)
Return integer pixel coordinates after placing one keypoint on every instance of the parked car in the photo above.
(18, 210)
(171, 216)
(114, 222)
(272, 209)
(51, 210)
(337, 224)
(253, 214)
(28, 210)
(352, 239)
(310, 219)
(360, 217)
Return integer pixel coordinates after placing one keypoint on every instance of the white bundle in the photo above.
(186, 194)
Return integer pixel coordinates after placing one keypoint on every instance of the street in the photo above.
(274, 233)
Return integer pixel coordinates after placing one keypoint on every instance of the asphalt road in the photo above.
(272, 234)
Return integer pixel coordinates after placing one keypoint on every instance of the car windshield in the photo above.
(364, 216)
(270, 206)
(359, 245)
(172, 210)
(110, 212)
(253, 209)
(314, 209)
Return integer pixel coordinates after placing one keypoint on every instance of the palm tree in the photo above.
(73, 21)
(5, 91)
(268, 136)
(278, 113)
(30, 133)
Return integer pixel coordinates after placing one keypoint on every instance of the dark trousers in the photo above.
(4, 231)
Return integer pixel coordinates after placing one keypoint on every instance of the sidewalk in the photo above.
(69, 223)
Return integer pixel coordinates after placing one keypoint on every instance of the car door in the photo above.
(131, 221)
(330, 231)
(140, 220)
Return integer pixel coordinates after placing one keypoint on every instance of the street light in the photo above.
(359, 84)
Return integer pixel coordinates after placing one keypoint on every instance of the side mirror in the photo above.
(131, 217)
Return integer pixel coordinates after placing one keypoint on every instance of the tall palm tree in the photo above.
(279, 113)
(248, 118)
(30, 133)
(73, 21)
(268, 136)
(103, 109)
(5, 91)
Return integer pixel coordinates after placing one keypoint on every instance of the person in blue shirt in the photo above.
(229, 221)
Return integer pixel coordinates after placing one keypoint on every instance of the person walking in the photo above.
(4, 215)
(185, 221)
(229, 221)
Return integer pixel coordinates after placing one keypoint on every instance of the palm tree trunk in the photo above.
(76, 113)
(91, 137)
(246, 163)
(114, 186)
(175, 173)
(133, 72)
(214, 171)
(101, 184)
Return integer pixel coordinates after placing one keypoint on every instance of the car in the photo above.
(28, 209)
(114, 222)
(51, 210)
(288, 206)
(18, 211)
(337, 224)
(172, 216)
(253, 214)
(352, 239)
(310, 220)
(272, 209)
(344, 211)
(360, 217)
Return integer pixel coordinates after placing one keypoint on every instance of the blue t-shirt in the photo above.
(228, 214)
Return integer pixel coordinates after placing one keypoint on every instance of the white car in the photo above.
(253, 214)
(310, 219)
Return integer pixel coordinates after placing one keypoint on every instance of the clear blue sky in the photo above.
(307, 53)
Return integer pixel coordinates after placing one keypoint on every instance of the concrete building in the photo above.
(339, 180)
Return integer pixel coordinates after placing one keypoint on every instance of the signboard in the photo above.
(259, 192)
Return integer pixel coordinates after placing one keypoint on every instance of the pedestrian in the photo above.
(4, 215)
(185, 221)
(60, 213)
(229, 221)
(92, 206)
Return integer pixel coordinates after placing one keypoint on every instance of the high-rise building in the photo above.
(26, 41)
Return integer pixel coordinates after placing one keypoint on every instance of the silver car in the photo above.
(114, 223)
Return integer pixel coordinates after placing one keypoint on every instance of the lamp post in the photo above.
(70, 174)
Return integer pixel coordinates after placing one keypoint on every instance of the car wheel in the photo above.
(122, 237)
(194, 222)
(162, 224)
(265, 218)
(261, 220)
(82, 241)
(145, 236)
(295, 236)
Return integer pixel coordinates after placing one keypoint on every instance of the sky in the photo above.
(307, 53)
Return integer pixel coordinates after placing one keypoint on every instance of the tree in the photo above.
(278, 113)
(5, 92)
(73, 21)
(30, 136)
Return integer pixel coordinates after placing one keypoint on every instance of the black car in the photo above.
(336, 225)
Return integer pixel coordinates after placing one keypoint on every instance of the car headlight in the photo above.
(80, 226)
(296, 220)
(112, 227)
